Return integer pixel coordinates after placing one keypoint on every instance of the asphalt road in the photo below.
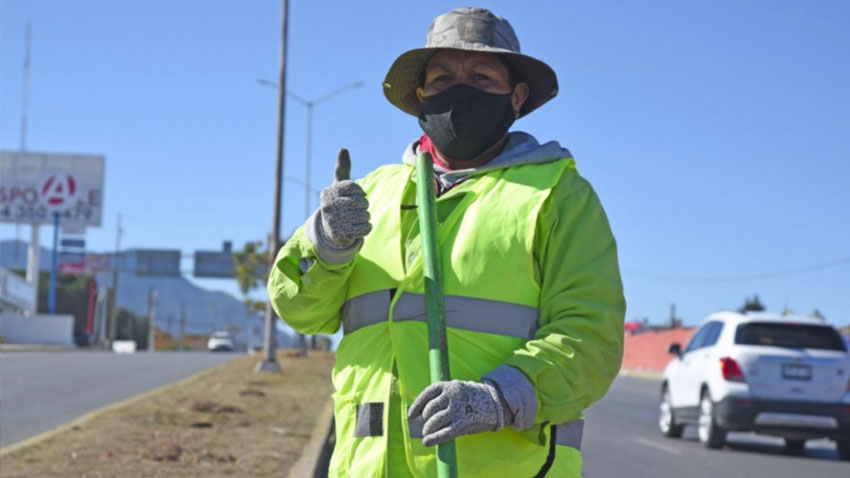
(42, 390)
(622, 440)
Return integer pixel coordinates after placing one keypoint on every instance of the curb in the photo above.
(315, 457)
(642, 373)
(34, 440)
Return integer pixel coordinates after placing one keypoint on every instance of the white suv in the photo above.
(220, 341)
(783, 376)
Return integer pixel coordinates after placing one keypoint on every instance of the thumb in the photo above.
(342, 171)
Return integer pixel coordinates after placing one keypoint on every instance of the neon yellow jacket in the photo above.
(571, 359)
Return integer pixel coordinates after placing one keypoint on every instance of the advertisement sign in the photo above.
(35, 186)
(91, 264)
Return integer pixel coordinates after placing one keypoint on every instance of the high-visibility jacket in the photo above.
(531, 281)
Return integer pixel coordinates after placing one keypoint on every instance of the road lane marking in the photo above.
(655, 444)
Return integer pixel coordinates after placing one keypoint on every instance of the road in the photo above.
(622, 440)
(42, 390)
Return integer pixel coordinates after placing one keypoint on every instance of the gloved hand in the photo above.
(455, 408)
(343, 207)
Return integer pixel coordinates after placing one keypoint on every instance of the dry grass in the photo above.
(226, 422)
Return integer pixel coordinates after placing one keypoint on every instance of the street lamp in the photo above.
(310, 104)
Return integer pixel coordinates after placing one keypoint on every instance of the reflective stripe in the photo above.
(467, 313)
(569, 434)
(370, 420)
(478, 315)
(366, 309)
(566, 434)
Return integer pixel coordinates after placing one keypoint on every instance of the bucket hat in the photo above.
(470, 29)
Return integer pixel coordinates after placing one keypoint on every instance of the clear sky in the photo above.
(717, 133)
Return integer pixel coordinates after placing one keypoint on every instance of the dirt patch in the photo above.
(212, 407)
(205, 427)
(252, 392)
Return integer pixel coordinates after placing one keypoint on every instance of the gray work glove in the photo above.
(455, 408)
(343, 208)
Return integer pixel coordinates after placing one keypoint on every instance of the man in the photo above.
(534, 303)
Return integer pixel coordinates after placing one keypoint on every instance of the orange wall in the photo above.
(648, 350)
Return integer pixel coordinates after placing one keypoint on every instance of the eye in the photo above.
(480, 77)
(441, 78)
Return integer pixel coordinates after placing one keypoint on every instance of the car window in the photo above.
(714, 329)
(698, 339)
(796, 336)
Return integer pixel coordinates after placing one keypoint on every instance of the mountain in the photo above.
(205, 310)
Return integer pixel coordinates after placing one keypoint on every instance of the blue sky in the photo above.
(717, 134)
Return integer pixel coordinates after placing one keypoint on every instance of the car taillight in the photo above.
(731, 370)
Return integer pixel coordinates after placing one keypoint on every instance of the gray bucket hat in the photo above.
(471, 29)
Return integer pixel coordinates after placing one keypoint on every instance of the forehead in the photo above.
(457, 58)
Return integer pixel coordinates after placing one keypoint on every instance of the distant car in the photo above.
(220, 342)
(782, 376)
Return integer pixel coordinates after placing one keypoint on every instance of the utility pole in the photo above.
(34, 249)
(269, 363)
(101, 316)
(116, 260)
(212, 317)
(673, 320)
(182, 327)
(152, 320)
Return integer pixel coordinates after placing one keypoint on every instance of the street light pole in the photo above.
(309, 105)
(307, 167)
(269, 363)
(308, 163)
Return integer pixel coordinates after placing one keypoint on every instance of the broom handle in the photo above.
(435, 307)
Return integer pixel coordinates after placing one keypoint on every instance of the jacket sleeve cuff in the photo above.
(518, 393)
(325, 251)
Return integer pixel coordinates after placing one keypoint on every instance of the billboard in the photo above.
(35, 186)
(91, 264)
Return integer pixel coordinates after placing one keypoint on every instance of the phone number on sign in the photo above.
(79, 213)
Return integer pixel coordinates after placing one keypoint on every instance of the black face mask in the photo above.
(463, 121)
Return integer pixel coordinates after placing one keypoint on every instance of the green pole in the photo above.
(435, 307)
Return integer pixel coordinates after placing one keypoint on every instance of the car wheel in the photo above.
(666, 420)
(843, 449)
(710, 434)
(795, 446)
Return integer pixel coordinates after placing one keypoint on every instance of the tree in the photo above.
(252, 272)
(753, 305)
(130, 326)
(72, 298)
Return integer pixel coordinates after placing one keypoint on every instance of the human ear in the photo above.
(518, 96)
(420, 93)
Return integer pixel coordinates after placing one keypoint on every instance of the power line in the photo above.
(748, 277)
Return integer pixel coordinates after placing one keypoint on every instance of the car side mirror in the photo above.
(675, 349)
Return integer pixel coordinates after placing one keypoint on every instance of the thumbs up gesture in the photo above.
(343, 208)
